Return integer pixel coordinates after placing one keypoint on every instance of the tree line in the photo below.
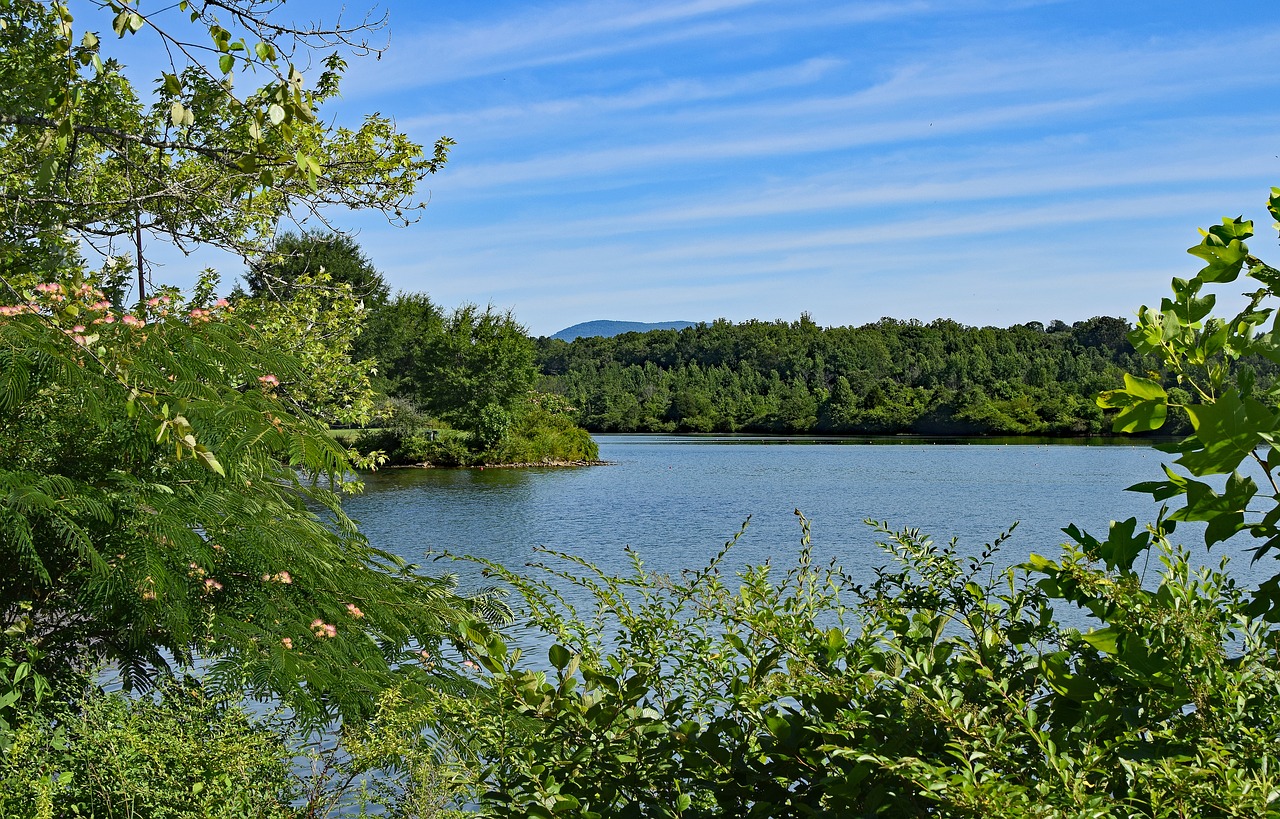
(888, 377)
(476, 372)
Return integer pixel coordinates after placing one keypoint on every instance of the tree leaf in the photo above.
(1226, 432)
(1224, 261)
(1103, 639)
(559, 656)
(1143, 405)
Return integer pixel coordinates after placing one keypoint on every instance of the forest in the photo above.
(889, 377)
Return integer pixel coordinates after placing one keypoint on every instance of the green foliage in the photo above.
(461, 387)
(201, 160)
(1232, 411)
(883, 378)
(541, 435)
(320, 326)
(945, 687)
(177, 754)
(395, 336)
(163, 497)
(168, 498)
(22, 688)
(296, 261)
(391, 765)
(476, 369)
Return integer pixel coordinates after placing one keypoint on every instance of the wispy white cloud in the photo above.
(1026, 174)
(759, 158)
(635, 159)
(647, 95)
(542, 35)
(951, 96)
(728, 256)
(579, 31)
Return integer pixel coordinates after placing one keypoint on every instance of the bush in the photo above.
(177, 754)
(946, 687)
(541, 436)
(536, 435)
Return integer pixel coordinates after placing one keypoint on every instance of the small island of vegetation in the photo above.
(437, 387)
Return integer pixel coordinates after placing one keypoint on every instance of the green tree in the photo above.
(165, 493)
(320, 325)
(293, 257)
(472, 368)
(162, 498)
(395, 336)
(483, 361)
(461, 388)
(842, 406)
(1233, 415)
(86, 158)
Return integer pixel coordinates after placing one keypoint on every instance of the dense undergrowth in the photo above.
(536, 435)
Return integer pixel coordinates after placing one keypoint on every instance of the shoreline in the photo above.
(555, 464)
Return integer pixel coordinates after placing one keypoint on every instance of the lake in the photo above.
(677, 499)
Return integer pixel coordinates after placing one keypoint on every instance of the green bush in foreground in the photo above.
(945, 687)
(180, 754)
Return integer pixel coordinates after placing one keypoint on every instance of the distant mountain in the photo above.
(613, 328)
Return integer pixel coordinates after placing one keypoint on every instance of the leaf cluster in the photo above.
(88, 155)
(1224, 472)
(180, 753)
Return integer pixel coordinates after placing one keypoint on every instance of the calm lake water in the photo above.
(678, 499)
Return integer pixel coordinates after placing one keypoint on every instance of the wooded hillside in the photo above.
(891, 376)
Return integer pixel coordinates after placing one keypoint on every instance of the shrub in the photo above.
(542, 436)
(177, 754)
(945, 687)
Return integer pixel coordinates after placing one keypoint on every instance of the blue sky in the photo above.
(991, 162)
